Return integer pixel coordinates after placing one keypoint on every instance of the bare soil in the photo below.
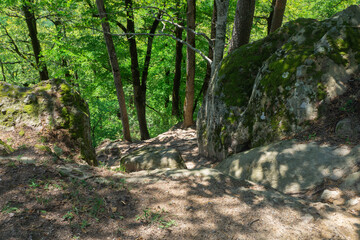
(38, 201)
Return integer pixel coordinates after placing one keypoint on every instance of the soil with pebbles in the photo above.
(38, 201)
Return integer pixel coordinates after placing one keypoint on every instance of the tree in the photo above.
(222, 7)
(190, 66)
(177, 77)
(269, 19)
(139, 85)
(115, 69)
(278, 16)
(31, 24)
(211, 52)
(243, 23)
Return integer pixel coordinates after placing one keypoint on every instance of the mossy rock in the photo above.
(5, 148)
(271, 88)
(52, 105)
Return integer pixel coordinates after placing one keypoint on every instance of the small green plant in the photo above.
(120, 168)
(84, 224)
(155, 217)
(58, 151)
(312, 136)
(97, 207)
(9, 209)
(69, 216)
(33, 183)
(11, 164)
(19, 157)
(43, 201)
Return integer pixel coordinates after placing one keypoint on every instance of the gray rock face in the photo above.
(108, 152)
(274, 87)
(292, 167)
(149, 158)
(348, 128)
(51, 106)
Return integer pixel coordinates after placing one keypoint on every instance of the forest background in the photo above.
(71, 46)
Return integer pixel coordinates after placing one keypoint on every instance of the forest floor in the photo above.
(39, 201)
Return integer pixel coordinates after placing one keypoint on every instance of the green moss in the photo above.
(44, 88)
(7, 147)
(321, 91)
(21, 133)
(43, 148)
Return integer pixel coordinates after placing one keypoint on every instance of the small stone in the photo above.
(307, 218)
(343, 128)
(262, 117)
(353, 201)
(331, 195)
(31, 98)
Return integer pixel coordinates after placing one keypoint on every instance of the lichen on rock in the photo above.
(272, 88)
(51, 107)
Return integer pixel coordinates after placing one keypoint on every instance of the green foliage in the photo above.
(150, 216)
(74, 49)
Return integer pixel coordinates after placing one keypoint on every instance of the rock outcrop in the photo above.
(293, 167)
(150, 158)
(274, 87)
(50, 116)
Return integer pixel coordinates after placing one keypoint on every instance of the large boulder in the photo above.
(150, 158)
(49, 115)
(293, 167)
(274, 87)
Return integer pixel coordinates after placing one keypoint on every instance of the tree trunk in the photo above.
(278, 15)
(243, 23)
(269, 19)
(3, 71)
(31, 24)
(190, 66)
(139, 88)
(222, 7)
(115, 69)
(211, 48)
(177, 78)
(211, 56)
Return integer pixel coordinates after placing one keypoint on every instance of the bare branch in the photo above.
(167, 35)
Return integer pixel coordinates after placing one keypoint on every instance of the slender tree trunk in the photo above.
(243, 23)
(279, 11)
(167, 82)
(222, 7)
(115, 69)
(139, 88)
(269, 19)
(190, 66)
(177, 78)
(31, 24)
(211, 56)
(211, 50)
(3, 71)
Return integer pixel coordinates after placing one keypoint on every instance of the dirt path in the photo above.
(42, 201)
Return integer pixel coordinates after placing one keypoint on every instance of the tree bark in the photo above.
(278, 16)
(3, 71)
(222, 7)
(31, 24)
(139, 88)
(211, 50)
(210, 56)
(190, 66)
(177, 77)
(115, 69)
(243, 23)
(269, 19)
